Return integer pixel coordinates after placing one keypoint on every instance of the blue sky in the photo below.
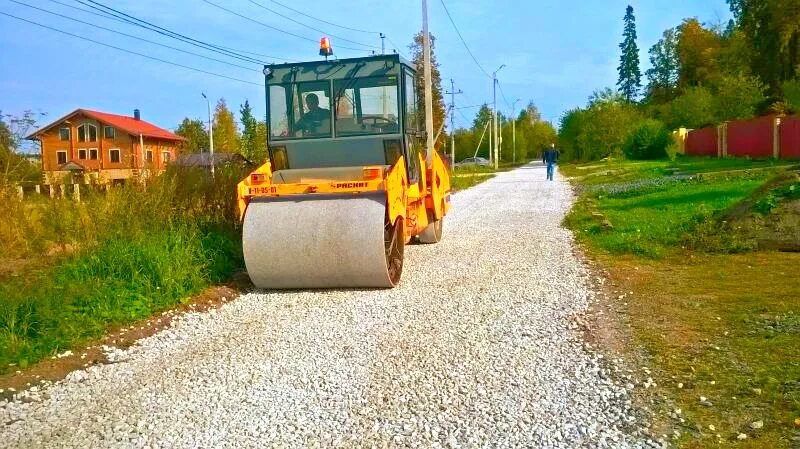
(557, 53)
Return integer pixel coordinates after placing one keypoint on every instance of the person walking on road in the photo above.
(549, 158)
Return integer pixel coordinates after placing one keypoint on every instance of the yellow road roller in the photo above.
(348, 182)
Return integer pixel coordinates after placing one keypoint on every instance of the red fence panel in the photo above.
(752, 138)
(790, 137)
(702, 142)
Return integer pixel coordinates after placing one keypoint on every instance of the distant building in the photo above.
(205, 160)
(90, 146)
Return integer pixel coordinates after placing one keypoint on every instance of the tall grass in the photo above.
(115, 257)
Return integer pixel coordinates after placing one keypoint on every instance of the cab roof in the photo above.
(378, 65)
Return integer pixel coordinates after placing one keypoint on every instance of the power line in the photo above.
(397, 47)
(463, 41)
(309, 26)
(135, 37)
(107, 15)
(323, 20)
(129, 51)
(503, 94)
(131, 20)
(272, 27)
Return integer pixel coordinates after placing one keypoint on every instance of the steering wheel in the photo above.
(377, 122)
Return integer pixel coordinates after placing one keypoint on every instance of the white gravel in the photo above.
(475, 348)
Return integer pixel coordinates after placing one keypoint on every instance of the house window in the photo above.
(109, 132)
(113, 156)
(165, 156)
(63, 134)
(82, 154)
(62, 157)
(87, 133)
(93, 154)
(148, 155)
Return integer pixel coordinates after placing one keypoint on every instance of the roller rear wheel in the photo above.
(433, 232)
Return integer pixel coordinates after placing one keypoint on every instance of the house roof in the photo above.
(204, 159)
(122, 122)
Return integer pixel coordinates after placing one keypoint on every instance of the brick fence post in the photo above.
(776, 138)
(76, 192)
(20, 192)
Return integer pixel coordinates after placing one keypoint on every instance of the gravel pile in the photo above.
(476, 348)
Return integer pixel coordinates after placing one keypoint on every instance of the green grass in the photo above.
(617, 170)
(655, 221)
(114, 258)
(465, 182)
(117, 282)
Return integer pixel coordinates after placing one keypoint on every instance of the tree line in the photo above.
(250, 140)
(701, 75)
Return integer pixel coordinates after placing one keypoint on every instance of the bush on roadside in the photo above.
(650, 140)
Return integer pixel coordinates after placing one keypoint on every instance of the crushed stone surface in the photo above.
(475, 348)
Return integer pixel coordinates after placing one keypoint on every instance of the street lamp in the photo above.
(210, 134)
(494, 118)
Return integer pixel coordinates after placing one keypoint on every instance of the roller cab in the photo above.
(347, 184)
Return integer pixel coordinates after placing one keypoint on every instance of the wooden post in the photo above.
(76, 191)
(722, 140)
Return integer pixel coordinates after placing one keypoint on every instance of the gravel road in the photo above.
(475, 348)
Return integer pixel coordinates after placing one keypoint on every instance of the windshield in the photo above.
(366, 106)
(300, 111)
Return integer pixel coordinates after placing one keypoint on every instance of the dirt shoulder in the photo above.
(720, 335)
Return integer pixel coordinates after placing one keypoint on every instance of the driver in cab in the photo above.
(317, 120)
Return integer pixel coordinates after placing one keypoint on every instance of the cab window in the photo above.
(367, 106)
(300, 111)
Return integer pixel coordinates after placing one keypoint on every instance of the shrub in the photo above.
(694, 109)
(791, 94)
(738, 97)
(650, 140)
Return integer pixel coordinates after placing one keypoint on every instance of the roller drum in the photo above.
(316, 242)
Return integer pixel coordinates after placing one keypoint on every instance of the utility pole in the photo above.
(452, 121)
(514, 129)
(210, 135)
(383, 43)
(428, 85)
(495, 142)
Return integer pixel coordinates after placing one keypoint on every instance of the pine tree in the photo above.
(630, 76)
(249, 124)
(226, 133)
(436, 82)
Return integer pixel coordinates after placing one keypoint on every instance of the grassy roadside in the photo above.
(470, 176)
(718, 324)
(112, 259)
